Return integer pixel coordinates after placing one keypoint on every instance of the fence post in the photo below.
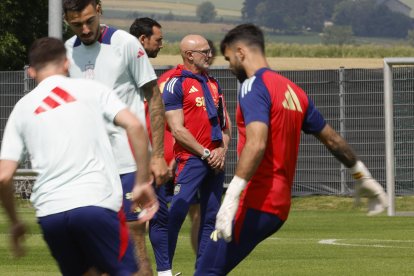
(342, 127)
(26, 80)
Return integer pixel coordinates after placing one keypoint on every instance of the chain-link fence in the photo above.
(351, 101)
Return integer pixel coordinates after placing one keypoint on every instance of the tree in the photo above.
(337, 35)
(26, 20)
(206, 12)
(367, 18)
(292, 16)
(410, 37)
(248, 10)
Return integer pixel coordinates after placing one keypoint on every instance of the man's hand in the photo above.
(159, 169)
(228, 209)
(366, 186)
(17, 232)
(171, 170)
(143, 197)
(217, 158)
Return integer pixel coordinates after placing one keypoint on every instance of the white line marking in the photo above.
(337, 242)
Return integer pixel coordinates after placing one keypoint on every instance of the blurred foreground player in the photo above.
(272, 111)
(77, 194)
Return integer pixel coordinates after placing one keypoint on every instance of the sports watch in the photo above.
(206, 154)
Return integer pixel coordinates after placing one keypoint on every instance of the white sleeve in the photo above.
(110, 103)
(12, 147)
(138, 62)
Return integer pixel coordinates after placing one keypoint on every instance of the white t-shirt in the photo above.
(120, 62)
(62, 125)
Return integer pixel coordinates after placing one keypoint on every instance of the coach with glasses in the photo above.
(197, 117)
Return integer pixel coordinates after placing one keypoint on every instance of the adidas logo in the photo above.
(140, 53)
(291, 101)
(192, 90)
(56, 98)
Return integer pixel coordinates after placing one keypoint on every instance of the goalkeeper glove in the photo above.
(228, 209)
(368, 187)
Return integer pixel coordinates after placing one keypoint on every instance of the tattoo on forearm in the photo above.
(342, 151)
(157, 113)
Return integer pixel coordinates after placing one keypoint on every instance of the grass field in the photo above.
(323, 236)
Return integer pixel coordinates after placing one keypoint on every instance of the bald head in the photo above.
(193, 42)
(196, 53)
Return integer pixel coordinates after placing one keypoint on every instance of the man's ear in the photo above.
(99, 9)
(189, 55)
(32, 72)
(141, 39)
(66, 65)
(240, 53)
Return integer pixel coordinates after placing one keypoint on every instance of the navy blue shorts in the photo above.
(89, 237)
(128, 182)
(250, 228)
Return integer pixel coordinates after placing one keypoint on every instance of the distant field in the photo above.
(187, 8)
(176, 30)
(411, 4)
(289, 63)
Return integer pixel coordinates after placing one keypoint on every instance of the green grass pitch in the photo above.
(323, 236)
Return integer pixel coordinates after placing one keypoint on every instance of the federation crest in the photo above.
(177, 189)
(89, 71)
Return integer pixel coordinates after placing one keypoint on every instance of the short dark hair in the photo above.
(248, 33)
(77, 5)
(143, 26)
(46, 50)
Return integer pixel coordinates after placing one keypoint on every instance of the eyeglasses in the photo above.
(206, 52)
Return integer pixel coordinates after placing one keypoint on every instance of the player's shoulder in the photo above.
(173, 83)
(120, 37)
(70, 43)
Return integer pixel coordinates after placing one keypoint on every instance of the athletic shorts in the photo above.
(89, 237)
(128, 182)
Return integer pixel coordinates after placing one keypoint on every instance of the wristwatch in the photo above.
(206, 154)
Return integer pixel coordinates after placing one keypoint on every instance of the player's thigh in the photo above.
(251, 228)
(103, 236)
(64, 247)
(191, 174)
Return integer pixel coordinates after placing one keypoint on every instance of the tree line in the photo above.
(366, 18)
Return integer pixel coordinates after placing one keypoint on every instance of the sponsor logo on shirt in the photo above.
(200, 102)
(56, 98)
(291, 101)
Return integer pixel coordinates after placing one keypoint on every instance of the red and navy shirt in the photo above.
(168, 138)
(187, 94)
(285, 108)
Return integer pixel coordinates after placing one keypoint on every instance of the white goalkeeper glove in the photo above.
(228, 209)
(368, 187)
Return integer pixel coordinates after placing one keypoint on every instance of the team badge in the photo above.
(177, 189)
(89, 71)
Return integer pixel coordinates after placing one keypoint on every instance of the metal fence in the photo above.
(351, 101)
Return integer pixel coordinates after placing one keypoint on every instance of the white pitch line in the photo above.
(335, 242)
